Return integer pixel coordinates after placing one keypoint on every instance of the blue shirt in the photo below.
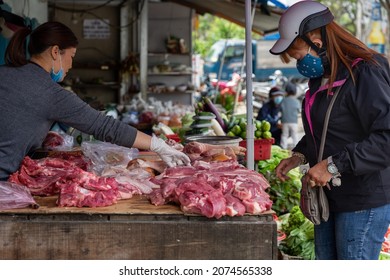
(290, 108)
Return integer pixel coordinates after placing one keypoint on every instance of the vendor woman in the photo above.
(31, 100)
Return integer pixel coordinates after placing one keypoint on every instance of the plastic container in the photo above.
(204, 117)
(201, 125)
(262, 148)
(173, 137)
(215, 140)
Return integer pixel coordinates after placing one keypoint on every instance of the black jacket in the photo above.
(358, 136)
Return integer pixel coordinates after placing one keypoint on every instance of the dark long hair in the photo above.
(342, 47)
(44, 36)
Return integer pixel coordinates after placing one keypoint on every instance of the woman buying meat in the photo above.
(354, 171)
(31, 100)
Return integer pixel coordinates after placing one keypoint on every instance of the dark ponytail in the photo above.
(15, 54)
(44, 36)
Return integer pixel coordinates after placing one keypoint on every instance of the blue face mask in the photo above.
(278, 100)
(310, 66)
(59, 76)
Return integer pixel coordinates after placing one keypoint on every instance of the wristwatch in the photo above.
(332, 169)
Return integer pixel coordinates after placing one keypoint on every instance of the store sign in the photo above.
(96, 29)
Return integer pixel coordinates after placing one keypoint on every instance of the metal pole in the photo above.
(144, 50)
(239, 86)
(249, 93)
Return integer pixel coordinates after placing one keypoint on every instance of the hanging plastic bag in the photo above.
(15, 196)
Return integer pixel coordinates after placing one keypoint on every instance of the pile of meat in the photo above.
(213, 189)
(74, 185)
(214, 185)
(57, 141)
(208, 152)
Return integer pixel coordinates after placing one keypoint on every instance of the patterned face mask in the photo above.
(310, 66)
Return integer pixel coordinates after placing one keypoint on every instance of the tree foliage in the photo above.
(344, 12)
(212, 28)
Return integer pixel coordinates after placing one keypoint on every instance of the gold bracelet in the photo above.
(300, 156)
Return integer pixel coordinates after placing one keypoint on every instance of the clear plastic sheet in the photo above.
(15, 196)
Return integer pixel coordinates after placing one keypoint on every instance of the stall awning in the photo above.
(266, 16)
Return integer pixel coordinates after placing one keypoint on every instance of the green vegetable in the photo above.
(187, 120)
(232, 122)
(284, 195)
(207, 114)
(201, 121)
(267, 135)
(236, 130)
(295, 220)
(300, 235)
(265, 125)
(230, 134)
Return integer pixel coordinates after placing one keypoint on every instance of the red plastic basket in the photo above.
(262, 148)
(173, 137)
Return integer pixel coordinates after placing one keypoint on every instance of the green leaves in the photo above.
(300, 235)
(284, 195)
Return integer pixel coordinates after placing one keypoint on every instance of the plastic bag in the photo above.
(103, 154)
(58, 141)
(15, 196)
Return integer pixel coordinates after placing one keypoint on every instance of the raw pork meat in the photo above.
(207, 152)
(53, 139)
(75, 186)
(213, 189)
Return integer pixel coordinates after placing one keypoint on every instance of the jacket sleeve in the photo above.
(370, 102)
(68, 108)
(265, 113)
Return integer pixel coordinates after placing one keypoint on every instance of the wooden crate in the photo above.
(132, 229)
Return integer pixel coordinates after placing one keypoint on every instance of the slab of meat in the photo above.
(152, 167)
(207, 152)
(75, 157)
(213, 189)
(87, 190)
(41, 176)
(52, 140)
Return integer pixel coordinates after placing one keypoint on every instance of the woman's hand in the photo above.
(168, 154)
(318, 175)
(285, 166)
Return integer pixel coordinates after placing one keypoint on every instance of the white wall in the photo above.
(30, 8)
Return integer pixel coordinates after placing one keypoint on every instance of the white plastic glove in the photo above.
(169, 155)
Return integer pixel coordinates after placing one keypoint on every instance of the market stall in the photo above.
(132, 229)
(217, 209)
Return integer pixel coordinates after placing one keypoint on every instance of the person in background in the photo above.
(355, 168)
(271, 112)
(290, 109)
(32, 100)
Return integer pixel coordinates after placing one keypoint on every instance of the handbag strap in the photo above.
(326, 122)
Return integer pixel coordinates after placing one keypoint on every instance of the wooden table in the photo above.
(132, 229)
